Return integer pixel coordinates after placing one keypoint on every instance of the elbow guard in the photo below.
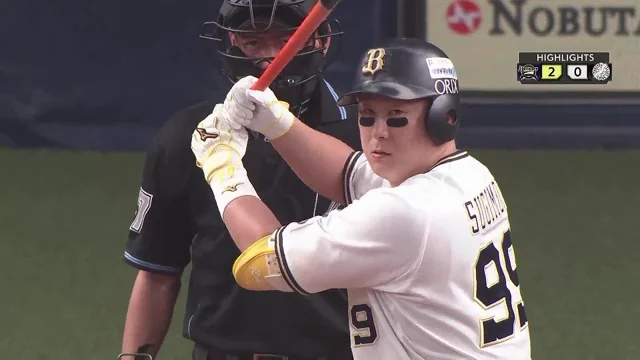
(257, 268)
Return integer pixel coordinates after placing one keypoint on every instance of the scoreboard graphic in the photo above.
(564, 68)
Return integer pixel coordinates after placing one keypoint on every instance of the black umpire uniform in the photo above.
(178, 223)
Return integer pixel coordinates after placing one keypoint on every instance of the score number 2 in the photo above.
(492, 331)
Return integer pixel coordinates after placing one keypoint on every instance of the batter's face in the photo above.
(393, 136)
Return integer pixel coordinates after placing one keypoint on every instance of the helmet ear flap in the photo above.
(438, 126)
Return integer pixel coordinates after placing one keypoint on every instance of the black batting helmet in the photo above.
(410, 69)
(297, 81)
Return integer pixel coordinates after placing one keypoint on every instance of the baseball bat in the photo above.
(318, 14)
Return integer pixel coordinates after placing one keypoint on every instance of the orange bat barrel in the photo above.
(318, 14)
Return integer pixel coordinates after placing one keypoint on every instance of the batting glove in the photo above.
(219, 149)
(259, 111)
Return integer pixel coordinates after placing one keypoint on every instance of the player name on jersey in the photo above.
(564, 68)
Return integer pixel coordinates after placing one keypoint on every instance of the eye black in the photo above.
(397, 122)
(366, 121)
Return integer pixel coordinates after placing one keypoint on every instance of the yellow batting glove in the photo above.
(259, 111)
(219, 149)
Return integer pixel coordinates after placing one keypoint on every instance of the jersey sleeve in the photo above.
(358, 177)
(376, 242)
(160, 234)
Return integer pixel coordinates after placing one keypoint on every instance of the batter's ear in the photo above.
(452, 117)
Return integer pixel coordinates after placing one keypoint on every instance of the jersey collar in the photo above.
(456, 155)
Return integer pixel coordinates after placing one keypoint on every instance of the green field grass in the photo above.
(64, 218)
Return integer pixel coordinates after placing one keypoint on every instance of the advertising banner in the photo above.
(484, 39)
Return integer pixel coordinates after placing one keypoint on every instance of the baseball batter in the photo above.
(424, 244)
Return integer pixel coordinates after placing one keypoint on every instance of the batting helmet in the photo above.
(410, 69)
(298, 80)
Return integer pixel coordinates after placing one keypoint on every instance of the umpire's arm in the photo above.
(158, 245)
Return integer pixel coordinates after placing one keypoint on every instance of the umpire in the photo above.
(177, 221)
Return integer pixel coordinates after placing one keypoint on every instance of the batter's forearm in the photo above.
(248, 219)
(150, 311)
(317, 159)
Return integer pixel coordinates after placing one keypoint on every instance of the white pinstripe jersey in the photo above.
(429, 265)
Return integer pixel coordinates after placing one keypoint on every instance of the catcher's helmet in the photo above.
(409, 69)
(297, 81)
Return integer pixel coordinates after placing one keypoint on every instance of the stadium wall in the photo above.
(106, 75)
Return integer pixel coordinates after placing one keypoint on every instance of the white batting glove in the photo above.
(219, 149)
(259, 111)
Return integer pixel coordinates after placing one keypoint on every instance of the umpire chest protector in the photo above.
(411, 69)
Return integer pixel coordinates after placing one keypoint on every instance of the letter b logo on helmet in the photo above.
(375, 61)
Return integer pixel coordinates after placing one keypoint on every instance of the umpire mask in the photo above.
(249, 19)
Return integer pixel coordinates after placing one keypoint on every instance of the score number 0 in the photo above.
(578, 72)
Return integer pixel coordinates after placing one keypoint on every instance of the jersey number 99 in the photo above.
(497, 293)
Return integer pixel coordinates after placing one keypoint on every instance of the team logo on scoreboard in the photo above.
(601, 71)
(528, 72)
